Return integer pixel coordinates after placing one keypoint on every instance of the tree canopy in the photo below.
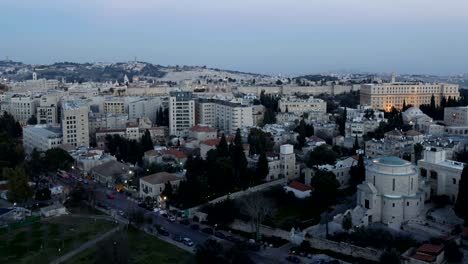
(321, 155)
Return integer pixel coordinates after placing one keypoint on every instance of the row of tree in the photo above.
(224, 171)
(129, 150)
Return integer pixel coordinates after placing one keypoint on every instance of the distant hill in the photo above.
(101, 72)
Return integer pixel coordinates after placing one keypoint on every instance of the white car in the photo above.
(187, 241)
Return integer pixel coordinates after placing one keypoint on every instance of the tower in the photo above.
(392, 80)
(126, 80)
(34, 76)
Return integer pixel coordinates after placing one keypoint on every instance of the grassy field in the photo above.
(43, 241)
(142, 248)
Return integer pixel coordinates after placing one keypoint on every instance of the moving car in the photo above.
(162, 231)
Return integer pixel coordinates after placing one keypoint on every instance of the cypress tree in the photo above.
(222, 148)
(262, 168)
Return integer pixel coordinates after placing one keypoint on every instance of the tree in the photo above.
(43, 194)
(418, 149)
(57, 158)
(321, 155)
(258, 208)
(341, 121)
(32, 120)
(168, 190)
(210, 252)
(461, 205)
(262, 169)
(146, 141)
(355, 145)
(222, 213)
(18, 185)
(301, 138)
(269, 117)
(358, 172)
(239, 161)
(347, 223)
(452, 252)
(259, 141)
(390, 257)
(325, 187)
(222, 149)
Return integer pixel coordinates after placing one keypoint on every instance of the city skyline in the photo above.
(262, 37)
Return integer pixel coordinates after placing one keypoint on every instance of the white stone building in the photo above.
(75, 123)
(181, 113)
(22, 107)
(392, 193)
(48, 109)
(41, 137)
(299, 106)
(144, 107)
(442, 174)
(223, 115)
(387, 95)
(153, 185)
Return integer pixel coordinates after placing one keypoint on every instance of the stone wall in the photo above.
(345, 249)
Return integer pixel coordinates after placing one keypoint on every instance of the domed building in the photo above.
(391, 193)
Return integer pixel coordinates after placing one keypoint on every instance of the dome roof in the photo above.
(413, 111)
(391, 161)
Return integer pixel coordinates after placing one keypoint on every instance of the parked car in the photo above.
(111, 196)
(163, 231)
(207, 230)
(178, 238)
(172, 218)
(188, 242)
(232, 239)
(219, 235)
(185, 222)
(195, 227)
(293, 259)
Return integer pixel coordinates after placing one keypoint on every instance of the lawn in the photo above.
(142, 248)
(40, 242)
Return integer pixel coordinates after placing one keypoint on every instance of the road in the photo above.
(122, 203)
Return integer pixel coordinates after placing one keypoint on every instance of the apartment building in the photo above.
(75, 123)
(223, 115)
(299, 106)
(22, 107)
(181, 112)
(145, 107)
(384, 96)
(48, 109)
(41, 137)
(114, 105)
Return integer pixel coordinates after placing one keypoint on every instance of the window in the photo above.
(411, 183)
(407, 203)
(433, 175)
(423, 172)
(454, 181)
(393, 204)
(366, 204)
(393, 184)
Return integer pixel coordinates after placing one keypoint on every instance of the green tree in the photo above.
(222, 148)
(18, 187)
(146, 141)
(262, 169)
(355, 145)
(461, 204)
(390, 257)
(239, 161)
(418, 149)
(168, 190)
(358, 172)
(325, 187)
(301, 138)
(259, 141)
(210, 252)
(321, 155)
(57, 158)
(32, 120)
(347, 222)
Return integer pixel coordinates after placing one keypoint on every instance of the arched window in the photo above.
(393, 184)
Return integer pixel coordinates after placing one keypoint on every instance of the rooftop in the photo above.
(391, 161)
(74, 104)
(299, 186)
(429, 248)
(200, 128)
(44, 131)
(160, 178)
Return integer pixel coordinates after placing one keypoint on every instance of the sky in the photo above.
(263, 36)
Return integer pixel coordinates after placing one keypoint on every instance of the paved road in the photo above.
(122, 203)
(85, 246)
